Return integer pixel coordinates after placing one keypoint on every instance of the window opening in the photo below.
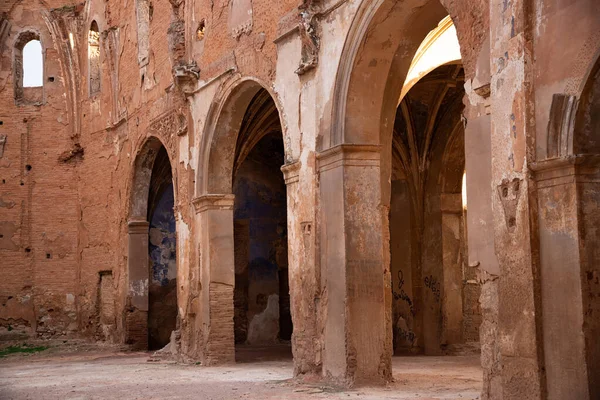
(33, 64)
(94, 58)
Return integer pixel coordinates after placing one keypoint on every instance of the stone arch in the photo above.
(223, 146)
(442, 39)
(377, 54)
(586, 137)
(218, 146)
(357, 150)
(138, 275)
(141, 173)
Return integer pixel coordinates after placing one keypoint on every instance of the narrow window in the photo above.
(94, 58)
(33, 64)
(28, 69)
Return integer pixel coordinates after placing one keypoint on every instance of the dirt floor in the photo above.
(93, 373)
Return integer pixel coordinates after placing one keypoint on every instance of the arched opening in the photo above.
(404, 151)
(94, 70)
(162, 249)
(152, 263)
(262, 316)
(241, 204)
(435, 308)
(28, 68)
(33, 64)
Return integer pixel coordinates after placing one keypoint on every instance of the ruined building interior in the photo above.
(356, 193)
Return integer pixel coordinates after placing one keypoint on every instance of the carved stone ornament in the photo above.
(308, 36)
(186, 75)
(172, 123)
(510, 192)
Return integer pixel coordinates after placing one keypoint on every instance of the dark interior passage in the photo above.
(435, 308)
(162, 301)
(261, 298)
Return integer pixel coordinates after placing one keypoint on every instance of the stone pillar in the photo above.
(512, 134)
(137, 285)
(217, 277)
(480, 218)
(563, 186)
(304, 284)
(356, 347)
(452, 287)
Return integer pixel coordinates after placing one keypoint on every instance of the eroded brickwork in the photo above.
(381, 255)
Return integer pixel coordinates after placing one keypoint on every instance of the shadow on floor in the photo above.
(246, 354)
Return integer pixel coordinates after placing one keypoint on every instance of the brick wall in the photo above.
(66, 169)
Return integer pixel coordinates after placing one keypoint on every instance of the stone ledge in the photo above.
(569, 169)
(356, 155)
(291, 172)
(137, 226)
(213, 202)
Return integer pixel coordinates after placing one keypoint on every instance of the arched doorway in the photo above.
(356, 161)
(152, 264)
(435, 305)
(241, 206)
(261, 298)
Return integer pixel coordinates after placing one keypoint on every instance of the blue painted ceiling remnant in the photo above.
(162, 234)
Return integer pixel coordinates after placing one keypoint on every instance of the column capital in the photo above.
(137, 226)
(291, 172)
(567, 169)
(358, 155)
(213, 202)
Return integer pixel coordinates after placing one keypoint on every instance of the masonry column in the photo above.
(452, 288)
(512, 139)
(562, 263)
(354, 274)
(303, 276)
(216, 277)
(137, 307)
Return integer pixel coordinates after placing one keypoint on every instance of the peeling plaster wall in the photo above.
(67, 166)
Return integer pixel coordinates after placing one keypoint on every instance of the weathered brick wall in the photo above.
(39, 208)
(63, 223)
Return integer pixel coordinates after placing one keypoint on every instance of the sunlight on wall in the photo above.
(439, 47)
(464, 191)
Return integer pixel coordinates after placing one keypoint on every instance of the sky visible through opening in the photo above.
(33, 75)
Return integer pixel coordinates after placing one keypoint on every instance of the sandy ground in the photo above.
(113, 374)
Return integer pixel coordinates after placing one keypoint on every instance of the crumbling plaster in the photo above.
(69, 222)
